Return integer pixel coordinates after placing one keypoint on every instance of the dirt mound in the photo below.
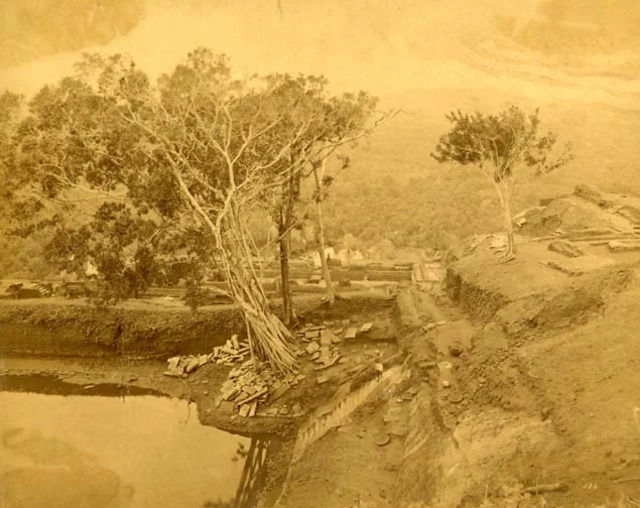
(556, 415)
(586, 211)
(571, 305)
(524, 297)
(558, 280)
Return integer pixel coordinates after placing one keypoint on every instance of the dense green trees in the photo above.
(168, 175)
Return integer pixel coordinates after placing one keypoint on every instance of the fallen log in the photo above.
(564, 269)
(545, 487)
(625, 480)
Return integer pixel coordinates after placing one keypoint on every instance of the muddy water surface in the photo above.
(95, 451)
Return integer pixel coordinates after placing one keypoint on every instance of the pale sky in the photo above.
(388, 47)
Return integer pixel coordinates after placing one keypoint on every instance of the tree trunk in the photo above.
(504, 189)
(268, 337)
(508, 222)
(326, 274)
(284, 237)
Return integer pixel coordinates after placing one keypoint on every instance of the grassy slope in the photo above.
(395, 191)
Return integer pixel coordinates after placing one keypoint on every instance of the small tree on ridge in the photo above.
(501, 145)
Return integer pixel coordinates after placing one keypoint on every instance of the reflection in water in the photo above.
(51, 472)
(100, 452)
(253, 474)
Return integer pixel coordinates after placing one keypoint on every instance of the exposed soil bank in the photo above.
(524, 298)
(58, 327)
(532, 400)
(497, 415)
(88, 376)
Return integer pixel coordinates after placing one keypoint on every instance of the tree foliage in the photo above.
(332, 123)
(152, 182)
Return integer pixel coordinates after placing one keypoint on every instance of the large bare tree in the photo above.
(189, 157)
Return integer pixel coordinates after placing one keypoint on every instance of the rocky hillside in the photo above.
(32, 29)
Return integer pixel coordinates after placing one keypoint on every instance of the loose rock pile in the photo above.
(248, 387)
(322, 344)
(232, 352)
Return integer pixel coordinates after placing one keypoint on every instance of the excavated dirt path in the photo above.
(488, 418)
(355, 464)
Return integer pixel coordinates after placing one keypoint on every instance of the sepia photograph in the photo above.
(320, 254)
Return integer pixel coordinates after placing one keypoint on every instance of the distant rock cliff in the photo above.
(31, 29)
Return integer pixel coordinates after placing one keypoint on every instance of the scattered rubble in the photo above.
(455, 350)
(350, 333)
(383, 440)
(249, 386)
(619, 246)
(541, 489)
(232, 352)
(312, 348)
(455, 396)
(431, 326)
(561, 268)
(565, 248)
